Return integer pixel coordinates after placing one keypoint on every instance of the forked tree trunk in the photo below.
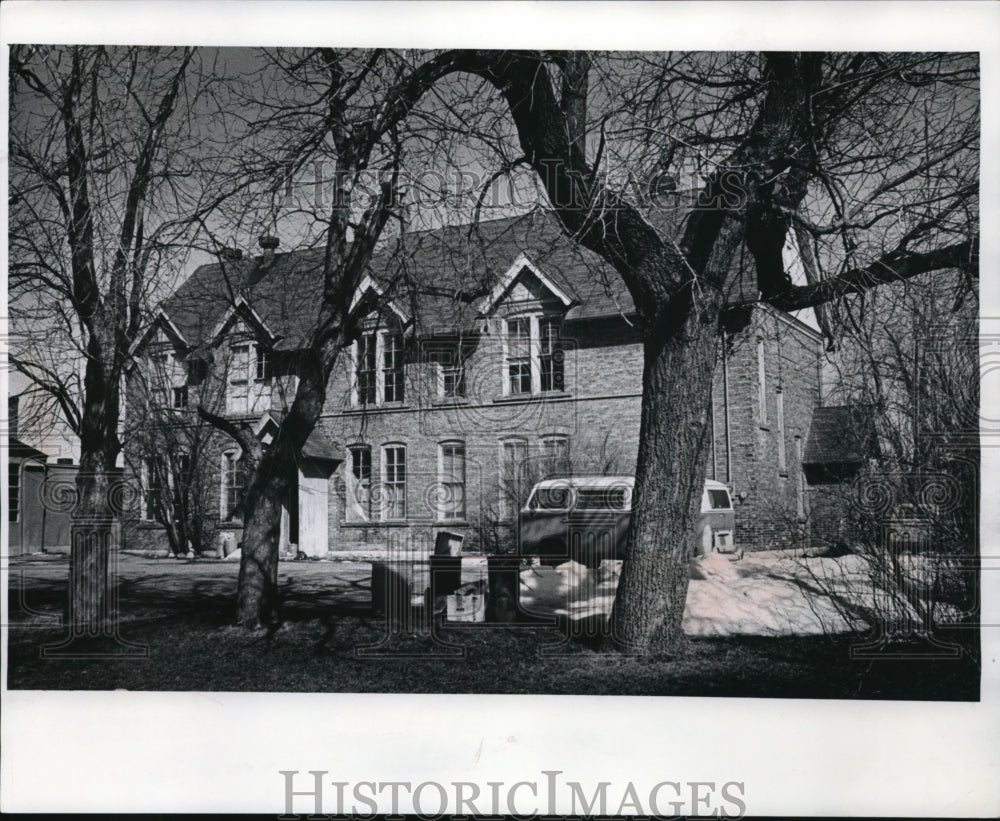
(670, 475)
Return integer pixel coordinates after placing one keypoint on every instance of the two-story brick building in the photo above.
(487, 357)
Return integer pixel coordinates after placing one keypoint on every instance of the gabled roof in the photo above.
(511, 275)
(442, 279)
(367, 286)
(160, 320)
(243, 308)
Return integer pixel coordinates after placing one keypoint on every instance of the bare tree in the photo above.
(104, 184)
(833, 148)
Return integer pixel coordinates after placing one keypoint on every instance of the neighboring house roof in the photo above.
(840, 435)
(19, 450)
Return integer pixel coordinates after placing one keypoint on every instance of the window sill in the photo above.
(450, 400)
(386, 406)
(393, 523)
(782, 474)
(527, 397)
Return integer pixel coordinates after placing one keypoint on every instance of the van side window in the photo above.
(604, 498)
(718, 499)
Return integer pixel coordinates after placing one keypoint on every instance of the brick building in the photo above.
(486, 358)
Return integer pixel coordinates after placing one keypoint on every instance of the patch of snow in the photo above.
(777, 594)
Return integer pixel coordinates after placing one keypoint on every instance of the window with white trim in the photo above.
(262, 364)
(153, 490)
(533, 355)
(379, 373)
(519, 356)
(451, 481)
(239, 364)
(513, 479)
(233, 485)
(550, 357)
(393, 483)
(168, 380)
(555, 453)
(359, 484)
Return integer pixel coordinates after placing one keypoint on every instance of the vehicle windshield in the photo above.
(604, 498)
(551, 498)
(718, 499)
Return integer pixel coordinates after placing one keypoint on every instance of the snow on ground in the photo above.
(770, 594)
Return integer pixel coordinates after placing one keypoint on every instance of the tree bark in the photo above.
(670, 475)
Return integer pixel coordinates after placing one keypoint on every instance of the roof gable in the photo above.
(516, 275)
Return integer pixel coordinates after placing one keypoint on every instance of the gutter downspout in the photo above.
(725, 408)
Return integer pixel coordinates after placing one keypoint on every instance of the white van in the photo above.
(587, 518)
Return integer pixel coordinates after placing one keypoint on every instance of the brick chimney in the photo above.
(268, 243)
(231, 254)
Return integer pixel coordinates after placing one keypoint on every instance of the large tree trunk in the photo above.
(670, 475)
(97, 501)
(258, 581)
(273, 475)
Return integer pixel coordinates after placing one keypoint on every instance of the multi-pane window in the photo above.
(513, 456)
(365, 373)
(154, 490)
(379, 368)
(453, 381)
(393, 483)
(14, 490)
(555, 454)
(534, 355)
(519, 355)
(262, 364)
(233, 485)
(451, 479)
(180, 398)
(392, 366)
(359, 484)
(239, 364)
(550, 357)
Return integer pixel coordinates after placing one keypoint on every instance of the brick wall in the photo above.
(598, 410)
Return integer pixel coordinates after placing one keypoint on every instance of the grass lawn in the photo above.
(182, 614)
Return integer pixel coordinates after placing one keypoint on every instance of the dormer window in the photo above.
(262, 366)
(519, 355)
(392, 366)
(550, 356)
(168, 380)
(533, 355)
(239, 365)
(379, 368)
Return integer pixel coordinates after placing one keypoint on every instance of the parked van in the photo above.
(587, 518)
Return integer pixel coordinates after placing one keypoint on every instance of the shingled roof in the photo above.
(440, 276)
